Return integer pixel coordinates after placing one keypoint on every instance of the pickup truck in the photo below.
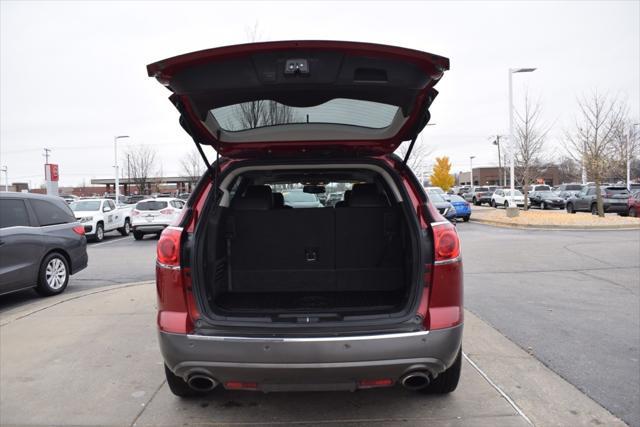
(99, 216)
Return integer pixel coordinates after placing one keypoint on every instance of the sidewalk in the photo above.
(92, 359)
(553, 219)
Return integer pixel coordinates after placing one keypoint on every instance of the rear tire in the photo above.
(570, 209)
(99, 236)
(475, 202)
(126, 229)
(466, 218)
(594, 209)
(543, 206)
(447, 381)
(506, 204)
(178, 386)
(53, 276)
(138, 235)
(633, 212)
(493, 204)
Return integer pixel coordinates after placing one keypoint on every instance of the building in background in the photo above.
(490, 175)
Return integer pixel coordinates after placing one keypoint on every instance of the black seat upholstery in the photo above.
(256, 197)
(278, 201)
(367, 196)
(345, 200)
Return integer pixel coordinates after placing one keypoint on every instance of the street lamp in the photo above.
(6, 177)
(629, 154)
(115, 151)
(512, 139)
(497, 142)
(471, 173)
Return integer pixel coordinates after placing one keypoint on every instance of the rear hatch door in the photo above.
(292, 97)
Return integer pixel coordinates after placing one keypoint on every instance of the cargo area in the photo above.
(270, 254)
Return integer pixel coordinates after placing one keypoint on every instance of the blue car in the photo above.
(463, 208)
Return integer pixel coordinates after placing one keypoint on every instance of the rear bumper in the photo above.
(332, 363)
(616, 208)
(149, 228)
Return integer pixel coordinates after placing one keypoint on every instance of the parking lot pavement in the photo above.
(115, 260)
(568, 297)
(92, 359)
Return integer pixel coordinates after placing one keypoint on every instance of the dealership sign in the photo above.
(51, 177)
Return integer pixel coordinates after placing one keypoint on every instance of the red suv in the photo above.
(256, 294)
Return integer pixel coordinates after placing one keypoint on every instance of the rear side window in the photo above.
(151, 205)
(13, 213)
(50, 214)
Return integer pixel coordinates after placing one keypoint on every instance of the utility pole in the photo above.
(46, 155)
(6, 177)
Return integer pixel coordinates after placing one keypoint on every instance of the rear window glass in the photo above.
(50, 214)
(151, 205)
(300, 196)
(573, 187)
(614, 190)
(482, 189)
(455, 198)
(13, 213)
(340, 111)
(542, 188)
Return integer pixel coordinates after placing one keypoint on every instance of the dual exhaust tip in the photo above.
(412, 381)
(201, 383)
(415, 380)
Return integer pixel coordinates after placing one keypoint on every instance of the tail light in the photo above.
(167, 211)
(79, 229)
(241, 385)
(441, 305)
(168, 250)
(375, 383)
(135, 212)
(176, 306)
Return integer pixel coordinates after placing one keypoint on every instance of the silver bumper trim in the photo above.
(308, 339)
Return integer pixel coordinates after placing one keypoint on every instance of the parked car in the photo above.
(135, 198)
(334, 198)
(299, 199)
(461, 206)
(504, 198)
(461, 191)
(437, 190)
(614, 199)
(183, 196)
(538, 187)
(99, 216)
(634, 205)
(546, 199)
(567, 190)
(308, 299)
(445, 207)
(41, 243)
(69, 198)
(480, 195)
(151, 216)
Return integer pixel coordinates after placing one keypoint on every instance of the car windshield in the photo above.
(546, 193)
(436, 198)
(542, 188)
(456, 198)
(151, 205)
(516, 193)
(339, 111)
(573, 187)
(300, 196)
(437, 190)
(85, 205)
(481, 189)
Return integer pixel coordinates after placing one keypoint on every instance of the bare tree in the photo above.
(625, 146)
(592, 141)
(529, 144)
(568, 170)
(141, 165)
(419, 156)
(192, 166)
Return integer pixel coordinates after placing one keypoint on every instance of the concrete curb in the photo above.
(556, 227)
(22, 312)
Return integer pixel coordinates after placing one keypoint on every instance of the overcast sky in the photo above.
(72, 74)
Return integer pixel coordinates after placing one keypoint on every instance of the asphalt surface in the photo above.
(570, 298)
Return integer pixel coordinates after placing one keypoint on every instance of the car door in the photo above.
(20, 246)
(588, 199)
(108, 214)
(115, 215)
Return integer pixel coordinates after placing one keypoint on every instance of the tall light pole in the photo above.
(497, 142)
(6, 177)
(629, 153)
(115, 151)
(512, 139)
(471, 172)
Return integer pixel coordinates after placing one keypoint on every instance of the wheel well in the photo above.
(100, 222)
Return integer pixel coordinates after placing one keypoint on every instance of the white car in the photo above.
(99, 216)
(502, 197)
(437, 190)
(151, 216)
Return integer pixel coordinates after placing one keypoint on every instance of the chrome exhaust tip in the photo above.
(415, 380)
(201, 383)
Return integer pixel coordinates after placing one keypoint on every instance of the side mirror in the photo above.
(106, 209)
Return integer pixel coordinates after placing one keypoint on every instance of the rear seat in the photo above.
(315, 249)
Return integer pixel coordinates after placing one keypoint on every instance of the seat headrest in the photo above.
(256, 197)
(366, 196)
(278, 200)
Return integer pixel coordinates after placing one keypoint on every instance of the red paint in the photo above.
(241, 385)
(382, 382)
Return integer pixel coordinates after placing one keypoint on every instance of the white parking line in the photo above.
(498, 389)
(106, 243)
